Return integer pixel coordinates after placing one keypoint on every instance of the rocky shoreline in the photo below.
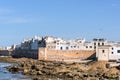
(41, 69)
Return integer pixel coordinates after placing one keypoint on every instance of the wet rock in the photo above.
(70, 71)
(13, 69)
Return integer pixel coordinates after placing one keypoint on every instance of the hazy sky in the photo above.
(69, 19)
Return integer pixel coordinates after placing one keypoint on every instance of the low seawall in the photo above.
(25, 53)
(5, 52)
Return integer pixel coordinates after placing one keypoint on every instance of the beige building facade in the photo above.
(103, 53)
(108, 53)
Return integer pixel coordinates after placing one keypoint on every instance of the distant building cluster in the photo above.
(54, 43)
(105, 50)
(30, 44)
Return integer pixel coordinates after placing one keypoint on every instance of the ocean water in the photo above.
(6, 75)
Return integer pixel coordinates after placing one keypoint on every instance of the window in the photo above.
(103, 51)
(112, 48)
(102, 44)
(95, 47)
(112, 52)
(94, 43)
(118, 51)
(61, 48)
(90, 46)
(67, 48)
(98, 44)
(86, 46)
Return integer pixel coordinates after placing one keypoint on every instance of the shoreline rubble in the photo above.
(61, 70)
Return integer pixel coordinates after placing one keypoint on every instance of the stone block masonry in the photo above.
(59, 55)
(25, 53)
(5, 52)
(44, 53)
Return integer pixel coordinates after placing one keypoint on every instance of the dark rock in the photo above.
(105, 75)
(36, 78)
(13, 69)
(69, 75)
(33, 67)
(85, 75)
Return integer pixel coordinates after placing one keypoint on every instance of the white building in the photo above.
(8, 48)
(108, 52)
(30, 44)
(49, 39)
(56, 44)
(34, 43)
(99, 42)
(60, 44)
(89, 46)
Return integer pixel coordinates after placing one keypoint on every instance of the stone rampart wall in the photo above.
(25, 53)
(5, 53)
(65, 54)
